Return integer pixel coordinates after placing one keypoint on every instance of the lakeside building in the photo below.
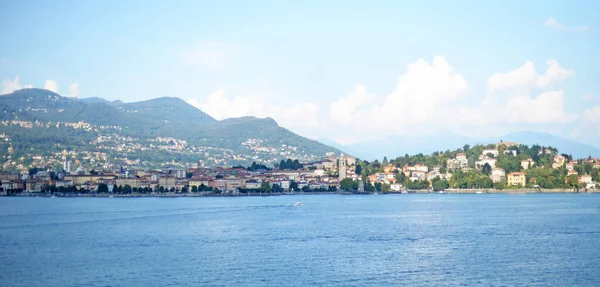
(342, 167)
(234, 179)
(497, 175)
(516, 179)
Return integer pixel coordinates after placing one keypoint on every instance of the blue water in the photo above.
(332, 240)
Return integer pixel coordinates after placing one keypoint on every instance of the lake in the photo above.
(331, 240)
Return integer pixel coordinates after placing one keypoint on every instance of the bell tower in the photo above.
(342, 167)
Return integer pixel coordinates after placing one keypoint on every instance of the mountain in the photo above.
(394, 146)
(158, 130)
(578, 150)
(94, 100)
(168, 110)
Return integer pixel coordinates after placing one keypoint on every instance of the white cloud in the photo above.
(300, 117)
(591, 98)
(346, 109)
(526, 77)
(210, 55)
(51, 85)
(9, 86)
(220, 106)
(428, 97)
(74, 90)
(546, 107)
(524, 96)
(588, 127)
(423, 92)
(420, 102)
(592, 115)
(552, 23)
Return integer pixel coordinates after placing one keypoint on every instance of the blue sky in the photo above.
(342, 70)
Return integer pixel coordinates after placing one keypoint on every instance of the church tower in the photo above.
(342, 167)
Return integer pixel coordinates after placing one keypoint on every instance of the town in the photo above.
(500, 167)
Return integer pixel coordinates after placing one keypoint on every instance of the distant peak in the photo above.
(267, 120)
(32, 92)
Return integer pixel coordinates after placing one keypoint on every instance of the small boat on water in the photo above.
(478, 192)
(298, 203)
(110, 196)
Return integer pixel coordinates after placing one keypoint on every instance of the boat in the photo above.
(478, 192)
(298, 203)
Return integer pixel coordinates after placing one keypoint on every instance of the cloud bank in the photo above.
(428, 97)
(553, 24)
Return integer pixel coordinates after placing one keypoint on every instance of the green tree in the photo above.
(439, 184)
(401, 177)
(102, 188)
(466, 148)
(487, 169)
(573, 181)
(194, 189)
(265, 187)
(294, 186)
(378, 186)
(385, 187)
(276, 188)
(347, 184)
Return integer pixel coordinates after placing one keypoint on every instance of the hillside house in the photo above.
(497, 175)
(516, 179)
(527, 163)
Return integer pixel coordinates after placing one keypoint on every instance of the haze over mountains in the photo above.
(394, 146)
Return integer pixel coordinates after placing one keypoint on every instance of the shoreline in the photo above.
(172, 195)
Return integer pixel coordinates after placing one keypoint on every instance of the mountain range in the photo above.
(242, 140)
(160, 117)
(394, 146)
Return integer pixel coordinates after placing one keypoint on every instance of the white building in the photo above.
(67, 166)
(497, 175)
(483, 161)
(395, 187)
(493, 152)
(526, 163)
(460, 162)
(180, 173)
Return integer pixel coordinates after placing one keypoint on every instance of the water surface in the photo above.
(332, 240)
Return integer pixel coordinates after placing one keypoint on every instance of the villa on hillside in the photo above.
(516, 179)
(527, 163)
(460, 162)
(497, 174)
(489, 160)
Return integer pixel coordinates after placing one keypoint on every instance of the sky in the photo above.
(345, 71)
